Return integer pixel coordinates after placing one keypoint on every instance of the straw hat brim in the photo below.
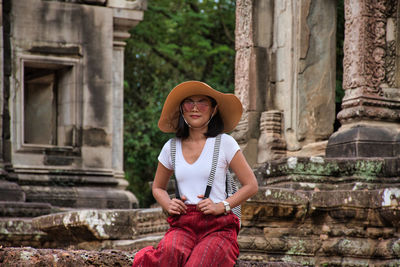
(229, 106)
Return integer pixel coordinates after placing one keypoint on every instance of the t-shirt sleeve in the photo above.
(230, 147)
(165, 156)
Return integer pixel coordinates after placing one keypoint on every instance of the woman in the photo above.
(203, 231)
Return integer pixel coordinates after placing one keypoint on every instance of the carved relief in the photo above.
(364, 45)
(390, 63)
(364, 50)
(271, 144)
(369, 64)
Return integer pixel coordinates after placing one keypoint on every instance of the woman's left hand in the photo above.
(206, 206)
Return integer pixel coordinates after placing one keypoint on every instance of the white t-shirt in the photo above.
(192, 178)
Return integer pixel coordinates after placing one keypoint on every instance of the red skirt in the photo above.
(194, 239)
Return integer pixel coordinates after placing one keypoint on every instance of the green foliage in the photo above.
(339, 51)
(177, 41)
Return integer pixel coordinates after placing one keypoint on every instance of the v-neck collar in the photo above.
(200, 156)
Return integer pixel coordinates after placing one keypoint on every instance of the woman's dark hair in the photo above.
(215, 126)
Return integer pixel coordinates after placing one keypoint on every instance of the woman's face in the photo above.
(197, 110)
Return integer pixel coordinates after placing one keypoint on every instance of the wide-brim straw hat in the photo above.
(229, 106)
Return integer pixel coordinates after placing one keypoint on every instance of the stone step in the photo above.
(11, 191)
(23, 209)
(62, 258)
(20, 232)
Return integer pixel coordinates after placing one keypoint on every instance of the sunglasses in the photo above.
(202, 105)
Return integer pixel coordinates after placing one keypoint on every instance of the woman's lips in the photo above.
(194, 116)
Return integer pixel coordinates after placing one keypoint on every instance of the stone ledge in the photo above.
(65, 258)
(365, 169)
(24, 209)
(89, 225)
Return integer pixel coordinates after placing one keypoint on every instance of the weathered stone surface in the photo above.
(271, 144)
(63, 258)
(87, 229)
(365, 141)
(324, 212)
(316, 149)
(323, 169)
(74, 160)
(24, 209)
(81, 196)
(11, 192)
(280, 46)
(316, 71)
(89, 225)
(368, 67)
(20, 232)
(244, 24)
(136, 4)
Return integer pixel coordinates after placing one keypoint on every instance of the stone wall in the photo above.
(324, 212)
(62, 103)
(280, 46)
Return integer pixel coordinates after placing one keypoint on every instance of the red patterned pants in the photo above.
(194, 239)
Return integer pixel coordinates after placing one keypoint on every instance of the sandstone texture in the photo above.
(24, 257)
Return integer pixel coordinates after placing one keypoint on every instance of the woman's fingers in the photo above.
(176, 206)
(206, 206)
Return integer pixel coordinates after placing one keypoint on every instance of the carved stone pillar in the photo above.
(371, 106)
(126, 15)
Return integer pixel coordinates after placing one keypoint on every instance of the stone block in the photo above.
(11, 192)
(81, 197)
(364, 141)
(20, 232)
(315, 149)
(23, 209)
(391, 215)
(126, 245)
(90, 225)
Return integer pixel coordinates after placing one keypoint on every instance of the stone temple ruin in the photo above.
(326, 198)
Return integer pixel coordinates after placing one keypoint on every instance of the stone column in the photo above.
(253, 36)
(371, 106)
(124, 18)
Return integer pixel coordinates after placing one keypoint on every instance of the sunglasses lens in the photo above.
(189, 105)
(202, 106)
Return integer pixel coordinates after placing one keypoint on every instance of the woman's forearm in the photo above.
(162, 197)
(244, 193)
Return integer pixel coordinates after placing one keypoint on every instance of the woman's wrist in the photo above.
(221, 208)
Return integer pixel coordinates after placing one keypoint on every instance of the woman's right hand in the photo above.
(177, 206)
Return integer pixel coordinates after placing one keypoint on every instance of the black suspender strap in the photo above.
(173, 154)
(213, 166)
